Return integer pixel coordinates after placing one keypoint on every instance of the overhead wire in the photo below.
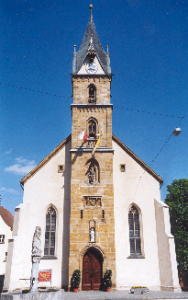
(141, 176)
(122, 107)
(33, 90)
(147, 112)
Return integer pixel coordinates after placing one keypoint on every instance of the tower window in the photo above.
(49, 248)
(134, 232)
(92, 94)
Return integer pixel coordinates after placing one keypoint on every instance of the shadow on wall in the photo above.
(66, 217)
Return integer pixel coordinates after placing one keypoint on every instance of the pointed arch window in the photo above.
(134, 232)
(92, 93)
(49, 248)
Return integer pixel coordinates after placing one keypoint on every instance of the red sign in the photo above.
(45, 276)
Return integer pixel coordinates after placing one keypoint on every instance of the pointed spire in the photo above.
(91, 44)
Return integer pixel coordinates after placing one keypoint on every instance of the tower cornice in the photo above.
(92, 78)
(91, 105)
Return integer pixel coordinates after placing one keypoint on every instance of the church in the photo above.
(97, 203)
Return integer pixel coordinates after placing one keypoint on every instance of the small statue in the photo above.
(36, 246)
(92, 235)
(35, 257)
(92, 172)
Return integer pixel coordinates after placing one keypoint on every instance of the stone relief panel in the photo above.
(93, 201)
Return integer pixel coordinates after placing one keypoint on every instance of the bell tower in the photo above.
(92, 233)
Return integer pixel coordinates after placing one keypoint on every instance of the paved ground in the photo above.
(116, 295)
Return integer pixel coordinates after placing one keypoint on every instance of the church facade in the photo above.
(97, 203)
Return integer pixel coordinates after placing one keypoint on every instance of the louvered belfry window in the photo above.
(134, 232)
(49, 248)
(92, 94)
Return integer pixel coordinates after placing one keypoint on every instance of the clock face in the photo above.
(91, 68)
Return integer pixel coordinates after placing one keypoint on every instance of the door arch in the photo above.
(92, 270)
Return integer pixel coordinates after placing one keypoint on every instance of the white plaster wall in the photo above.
(86, 61)
(168, 239)
(135, 186)
(4, 229)
(46, 187)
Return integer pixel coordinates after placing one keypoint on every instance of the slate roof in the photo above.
(102, 56)
(7, 217)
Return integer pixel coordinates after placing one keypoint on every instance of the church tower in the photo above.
(92, 234)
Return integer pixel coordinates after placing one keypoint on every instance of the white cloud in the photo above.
(21, 167)
(9, 151)
(10, 191)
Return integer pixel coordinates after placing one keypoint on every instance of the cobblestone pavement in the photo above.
(116, 295)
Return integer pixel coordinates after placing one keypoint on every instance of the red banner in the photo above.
(45, 276)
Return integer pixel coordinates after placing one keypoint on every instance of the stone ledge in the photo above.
(85, 149)
(48, 257)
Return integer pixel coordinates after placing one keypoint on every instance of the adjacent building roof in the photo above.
(7, 217)
(68, 139)
(102, 56)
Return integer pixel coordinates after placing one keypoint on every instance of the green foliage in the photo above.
(75, 280)
(177, 199)
(107, 282)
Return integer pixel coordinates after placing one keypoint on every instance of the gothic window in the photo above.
(92, 93)
(49, 248)
(92, 128)
(134, 232)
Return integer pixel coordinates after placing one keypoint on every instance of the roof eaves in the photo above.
(135, 157)
(45, 160)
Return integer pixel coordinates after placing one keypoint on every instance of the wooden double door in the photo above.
(92, 270)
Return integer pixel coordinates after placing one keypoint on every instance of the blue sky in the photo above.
(148, 48)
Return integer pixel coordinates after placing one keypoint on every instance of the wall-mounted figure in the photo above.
(92, 233)
(93, 171)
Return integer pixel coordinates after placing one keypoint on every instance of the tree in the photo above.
(177, 200)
